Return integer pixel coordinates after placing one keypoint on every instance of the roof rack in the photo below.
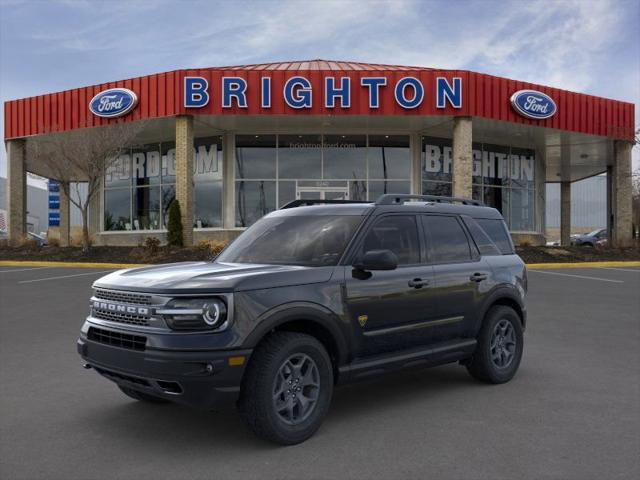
(318, 201)
(391, 199)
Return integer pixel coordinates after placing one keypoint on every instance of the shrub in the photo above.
(152, 245)
(174, 226)
(54, 242)
(212, 247)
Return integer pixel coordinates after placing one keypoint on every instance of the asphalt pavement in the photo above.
(572, 411)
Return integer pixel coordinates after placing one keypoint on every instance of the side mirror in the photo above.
(377, 260)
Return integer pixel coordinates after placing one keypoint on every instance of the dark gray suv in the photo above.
(313, 295)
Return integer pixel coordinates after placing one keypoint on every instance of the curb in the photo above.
(29, 263)
(532, 266)
(540, 266)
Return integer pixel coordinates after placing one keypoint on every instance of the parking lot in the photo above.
(572, 412)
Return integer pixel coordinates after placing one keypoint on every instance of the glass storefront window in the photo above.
(521, 206)
(300, 156)
(437, 164)
(436, 188)
(345, 157)
(149, 173)
(254, 199)
(117, 209)
(146, 208)
(503, 178)
(389, 157)
(256, 156)
(168, 195)
(381, 187)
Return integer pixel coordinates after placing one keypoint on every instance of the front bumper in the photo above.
(202, 379)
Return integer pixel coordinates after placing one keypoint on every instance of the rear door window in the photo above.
(498, 233)
(448, 242)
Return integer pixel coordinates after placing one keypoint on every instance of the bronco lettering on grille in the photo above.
(117, 308)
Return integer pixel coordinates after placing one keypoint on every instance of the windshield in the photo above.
(594, 233)
(314, 240)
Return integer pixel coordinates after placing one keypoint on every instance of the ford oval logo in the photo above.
(533, 104)
(114, 102)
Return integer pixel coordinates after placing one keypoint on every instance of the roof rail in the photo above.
(318, 201)
(399, 199)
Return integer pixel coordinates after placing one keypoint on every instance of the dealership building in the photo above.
(234, 143)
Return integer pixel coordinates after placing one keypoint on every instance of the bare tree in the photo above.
(82, 156)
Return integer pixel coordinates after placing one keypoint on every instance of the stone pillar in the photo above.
(565, 213)
(462, 157)
(228, 180)
(415, 146)
(621, 234)
(65, 215)
(16, 191)
(184, 174)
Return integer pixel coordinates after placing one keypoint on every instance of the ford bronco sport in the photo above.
(313, 295)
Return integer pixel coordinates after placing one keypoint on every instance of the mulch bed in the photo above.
(577, 254)
(172, 254)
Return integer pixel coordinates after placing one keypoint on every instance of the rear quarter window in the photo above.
(498, 233)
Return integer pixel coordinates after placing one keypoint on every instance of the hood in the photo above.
(194, 277)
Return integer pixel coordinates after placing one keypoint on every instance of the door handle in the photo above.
(478, 277)
(418, 283)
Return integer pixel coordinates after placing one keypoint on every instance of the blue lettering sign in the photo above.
(195, 92)
(373, 84)
(444, 92)
(331, 92)
(234, 87)
(401, 94)
(297, 92)
(266, 92)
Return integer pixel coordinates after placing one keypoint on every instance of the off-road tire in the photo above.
(141, 396)
(256, 404)
(481, 366)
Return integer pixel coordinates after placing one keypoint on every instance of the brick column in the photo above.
(65, 215)
(565, 213)
(228, 180)
(416, 163)
(184, 174)
(621, 185)
(16, 191)
(462, 157)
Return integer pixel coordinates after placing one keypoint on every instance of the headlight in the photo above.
(194, 313)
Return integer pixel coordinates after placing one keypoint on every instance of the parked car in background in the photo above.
(591, 239)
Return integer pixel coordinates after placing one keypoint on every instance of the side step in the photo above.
(437, 354)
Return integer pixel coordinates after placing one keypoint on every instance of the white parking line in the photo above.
(64, 276)
(621, 269)
(23, 269)
(577, 276)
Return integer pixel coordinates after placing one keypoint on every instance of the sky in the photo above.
(590, 46)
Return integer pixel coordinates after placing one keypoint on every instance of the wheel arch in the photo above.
(508, 298)
(312, 319)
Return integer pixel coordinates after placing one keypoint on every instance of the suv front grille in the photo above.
(123, 297)
(128, 318)
(117, 339)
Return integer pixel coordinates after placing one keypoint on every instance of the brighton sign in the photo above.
(113, 103)
(298, 93)
(533, 104)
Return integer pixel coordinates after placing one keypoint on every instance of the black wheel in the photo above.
(287, 388)
(499, 348)
(141, 396)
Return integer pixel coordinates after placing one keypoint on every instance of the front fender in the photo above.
(307, 311)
